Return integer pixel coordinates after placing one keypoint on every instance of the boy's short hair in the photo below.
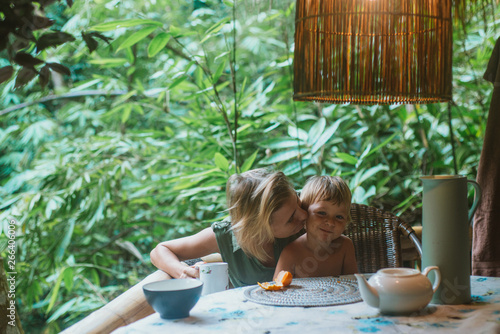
(326, 188)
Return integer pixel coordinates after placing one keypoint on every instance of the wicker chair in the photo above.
(376, 235)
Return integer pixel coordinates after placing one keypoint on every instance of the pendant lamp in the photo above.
(373, 51)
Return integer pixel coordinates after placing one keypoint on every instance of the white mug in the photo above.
(214, 276)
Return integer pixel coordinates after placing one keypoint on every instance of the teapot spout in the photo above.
(368, 292)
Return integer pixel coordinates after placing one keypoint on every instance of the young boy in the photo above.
(323, 250)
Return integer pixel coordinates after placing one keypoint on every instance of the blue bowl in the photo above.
(173, 298)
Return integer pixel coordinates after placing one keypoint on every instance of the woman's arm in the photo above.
(168, 254)
(350, 265)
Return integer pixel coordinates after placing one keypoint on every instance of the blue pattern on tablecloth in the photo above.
(233, 315)
(216, 309)
(369, 329)
(444, 324)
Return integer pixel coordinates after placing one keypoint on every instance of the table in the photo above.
(231, 312)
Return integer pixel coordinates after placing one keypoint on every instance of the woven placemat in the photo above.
(313, 291)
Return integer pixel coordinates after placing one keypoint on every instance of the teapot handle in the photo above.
(437, 281)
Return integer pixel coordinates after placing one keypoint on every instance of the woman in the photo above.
(265, 215)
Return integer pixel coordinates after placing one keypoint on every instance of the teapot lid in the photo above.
(399, 272)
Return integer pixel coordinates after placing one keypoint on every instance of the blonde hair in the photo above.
(252, 197)
(326, 188)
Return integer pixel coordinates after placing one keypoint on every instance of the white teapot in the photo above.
(399, 290)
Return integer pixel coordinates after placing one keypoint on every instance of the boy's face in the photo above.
(326, 221)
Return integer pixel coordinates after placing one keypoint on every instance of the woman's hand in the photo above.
(191, 271)
(167, 255)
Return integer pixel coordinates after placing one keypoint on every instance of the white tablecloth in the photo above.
(230, 312)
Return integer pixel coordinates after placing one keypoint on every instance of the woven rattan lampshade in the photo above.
(373, 51)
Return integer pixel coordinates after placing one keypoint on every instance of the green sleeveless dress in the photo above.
(244, 270)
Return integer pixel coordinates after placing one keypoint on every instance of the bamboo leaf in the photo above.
(68, 278)
(131, 248)
(242, 88)
(138, 108)
(360, 195)
(280, 143)
(296, 166)
(34, 200)
(158, 43)
(186, 184)
(8, 203)
(316, 131)
(325, 136)
(405, 202)
(221, 162)
(371, 172)
(222, 55)
(127, 109)
(63, 309)
(55, 291)
(136, 37)
(66, 241)
(384, 143)
(281, 156)
(198, 76)
(177, 81)
(215, 28)
(218, 72)
(347, 158)
(98, 215)
(247, 165)
(296, 132)
(113, 25)
(109, 62)
(51, 206)
(124, 98)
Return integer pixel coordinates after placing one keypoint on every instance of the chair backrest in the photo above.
(376, 236)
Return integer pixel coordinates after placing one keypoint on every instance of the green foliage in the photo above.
(144, 133)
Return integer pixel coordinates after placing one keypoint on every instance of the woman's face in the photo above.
(289, 219)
